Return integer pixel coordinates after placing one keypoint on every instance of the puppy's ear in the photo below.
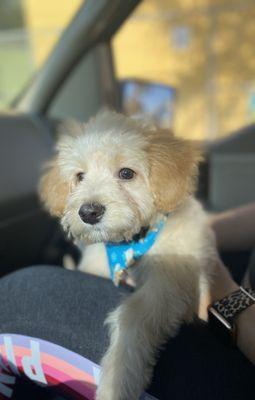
(174, 169)
(53, 189)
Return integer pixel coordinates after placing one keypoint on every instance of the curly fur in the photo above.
(170, 276)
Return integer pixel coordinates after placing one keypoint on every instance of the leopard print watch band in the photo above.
(229, 307)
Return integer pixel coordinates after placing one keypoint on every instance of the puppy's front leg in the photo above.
(139, 326)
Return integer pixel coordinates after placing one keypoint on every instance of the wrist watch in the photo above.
(222, 314)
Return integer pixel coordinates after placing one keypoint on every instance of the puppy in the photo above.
(116, 182)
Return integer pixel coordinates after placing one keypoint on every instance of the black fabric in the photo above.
(64, 307)
(68, 308)
(195, 365)
(251, 269)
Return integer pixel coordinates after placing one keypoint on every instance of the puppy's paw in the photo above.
(113, 388)
(106, 391)
(111, 395)
(105, 394)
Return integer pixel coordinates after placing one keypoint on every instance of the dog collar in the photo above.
(122, 255)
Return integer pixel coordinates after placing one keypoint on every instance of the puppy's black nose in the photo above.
(91, 213)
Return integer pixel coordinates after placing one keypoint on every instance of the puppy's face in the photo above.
(113, 176)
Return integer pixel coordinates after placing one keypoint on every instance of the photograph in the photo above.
(127, 200)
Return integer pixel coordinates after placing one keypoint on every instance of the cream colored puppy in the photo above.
(110, 179)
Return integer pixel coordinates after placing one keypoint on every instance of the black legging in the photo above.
(68, 308)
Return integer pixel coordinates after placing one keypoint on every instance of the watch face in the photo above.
(221, 327)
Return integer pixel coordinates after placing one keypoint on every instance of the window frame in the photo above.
(94, 23)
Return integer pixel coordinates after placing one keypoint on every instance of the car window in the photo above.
(203, 52)
(28, 31)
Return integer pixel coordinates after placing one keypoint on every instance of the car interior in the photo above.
(77, 80)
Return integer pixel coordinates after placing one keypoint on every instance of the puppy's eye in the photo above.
(80, 176)
(126, 173)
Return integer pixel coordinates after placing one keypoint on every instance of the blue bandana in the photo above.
(123, 255)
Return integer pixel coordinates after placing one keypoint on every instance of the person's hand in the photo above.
(221, 286)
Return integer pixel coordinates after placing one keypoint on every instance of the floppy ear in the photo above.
(53, 189)
(174, 169)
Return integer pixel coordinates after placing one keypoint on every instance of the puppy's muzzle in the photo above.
(91, 213)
